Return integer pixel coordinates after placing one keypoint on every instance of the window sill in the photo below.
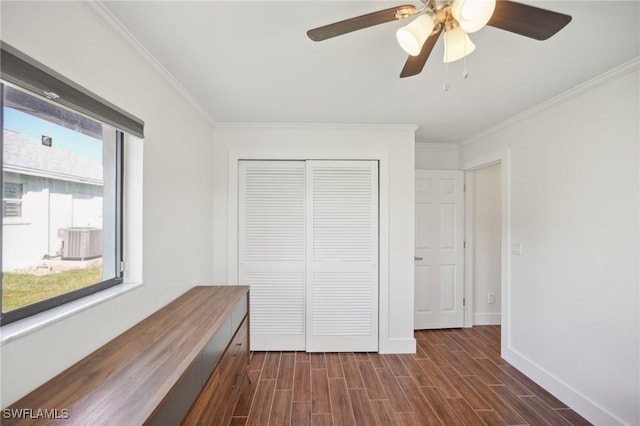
(15, 221)
(28, 325)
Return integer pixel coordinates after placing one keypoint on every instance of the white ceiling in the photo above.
(252, 62)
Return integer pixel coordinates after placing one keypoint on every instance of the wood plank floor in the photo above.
(456, 377)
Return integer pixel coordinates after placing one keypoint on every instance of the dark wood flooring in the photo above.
(456, 377)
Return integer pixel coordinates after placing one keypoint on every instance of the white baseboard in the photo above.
(388, 346)
(565, 393)
(486, 319)
(397, 346)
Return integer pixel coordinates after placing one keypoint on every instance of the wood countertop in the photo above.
(124, 381)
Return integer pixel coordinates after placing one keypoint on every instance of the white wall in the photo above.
(177, 184)
(574, 206)
(47, 206)
(486, 244)
(437, 156)
(393, 146)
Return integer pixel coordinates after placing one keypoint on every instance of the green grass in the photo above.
(24, 289)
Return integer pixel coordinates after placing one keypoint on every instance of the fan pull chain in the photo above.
(446, 85)
(465, 71)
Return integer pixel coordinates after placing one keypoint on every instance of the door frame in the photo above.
(504, 159)
(384, 343)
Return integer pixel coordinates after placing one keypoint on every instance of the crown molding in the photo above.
(254, 125)
(438, 145)
(108, 19)
(627, 67)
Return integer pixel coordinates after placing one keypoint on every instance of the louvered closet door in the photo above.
(342, 256)
(272, 251)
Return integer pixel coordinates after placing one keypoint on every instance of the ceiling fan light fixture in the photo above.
(472, 15)
(457, 44)
(411, 37)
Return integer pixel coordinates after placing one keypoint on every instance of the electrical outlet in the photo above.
(491, 298)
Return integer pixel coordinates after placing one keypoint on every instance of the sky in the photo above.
(63, 138)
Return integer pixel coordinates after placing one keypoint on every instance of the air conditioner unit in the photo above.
(81, 243)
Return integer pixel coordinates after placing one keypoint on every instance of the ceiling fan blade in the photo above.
(360, 22)
(529, 21)
(415, 64)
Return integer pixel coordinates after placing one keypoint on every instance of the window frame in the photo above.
(79, 101)
(50, 303)
(12, 200)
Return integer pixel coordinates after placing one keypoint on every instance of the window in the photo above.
(12, 200)
(61, 149)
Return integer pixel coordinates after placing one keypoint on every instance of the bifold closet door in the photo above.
(342, 256)
(271, 231)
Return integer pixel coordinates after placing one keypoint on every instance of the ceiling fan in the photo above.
(456, 19)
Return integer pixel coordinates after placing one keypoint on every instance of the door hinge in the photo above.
(464, 187)
(464, 301)
(122, 266)
(464, 244)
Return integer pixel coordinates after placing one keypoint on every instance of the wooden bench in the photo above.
(186, 363)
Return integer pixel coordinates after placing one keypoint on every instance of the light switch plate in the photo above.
(516, 248)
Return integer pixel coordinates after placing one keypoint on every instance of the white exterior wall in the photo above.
(47, 206)
(393, 146)
(24, 238)
(176, 179)
(573, 294)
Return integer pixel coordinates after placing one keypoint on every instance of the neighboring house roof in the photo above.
(26, 155)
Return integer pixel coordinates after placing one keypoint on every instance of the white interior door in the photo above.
(271, 231)
(342, 256)
(439, 252)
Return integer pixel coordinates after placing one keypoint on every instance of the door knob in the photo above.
(417, 258)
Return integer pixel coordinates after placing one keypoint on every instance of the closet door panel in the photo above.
(272, 251)
(342, 256)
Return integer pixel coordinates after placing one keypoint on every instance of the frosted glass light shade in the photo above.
(472, 14)
(457, 44)
(411, 37)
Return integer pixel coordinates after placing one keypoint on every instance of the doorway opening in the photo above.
(483, 242)
(503, 160)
